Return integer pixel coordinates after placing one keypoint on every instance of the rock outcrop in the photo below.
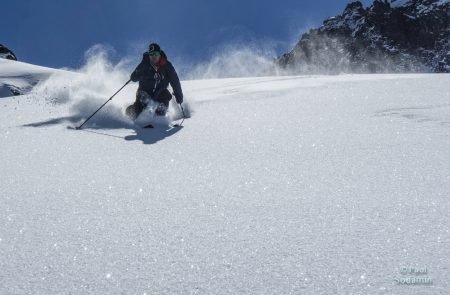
(388, 36)
(7, 53)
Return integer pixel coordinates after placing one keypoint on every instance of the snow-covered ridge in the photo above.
(19, 78)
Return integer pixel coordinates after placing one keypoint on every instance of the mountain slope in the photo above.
(388, 36)
(276, 185)
(18, 78)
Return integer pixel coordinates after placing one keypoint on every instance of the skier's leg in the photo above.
(131, 112)
(135, 109)
(163, 99)
(143, 97)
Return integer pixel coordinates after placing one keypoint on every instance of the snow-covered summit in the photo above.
(352, 18)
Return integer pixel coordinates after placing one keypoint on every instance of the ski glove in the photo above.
(179, 99)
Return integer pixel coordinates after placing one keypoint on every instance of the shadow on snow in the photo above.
(146, 135)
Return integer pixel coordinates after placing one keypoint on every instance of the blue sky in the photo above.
(56, 33)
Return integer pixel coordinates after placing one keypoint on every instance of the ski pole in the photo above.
(184, 116)
(182, 110)
(79, 127)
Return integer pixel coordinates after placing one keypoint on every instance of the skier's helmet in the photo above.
(154, 48)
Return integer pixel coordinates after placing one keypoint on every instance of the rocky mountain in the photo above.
(6, 53)
(388, 36)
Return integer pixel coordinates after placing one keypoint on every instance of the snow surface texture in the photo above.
(276, 185)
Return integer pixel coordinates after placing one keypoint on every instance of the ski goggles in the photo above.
(154, 53)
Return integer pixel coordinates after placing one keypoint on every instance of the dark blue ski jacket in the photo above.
(154, 79)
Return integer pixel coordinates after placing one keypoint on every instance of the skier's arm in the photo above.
(175, 83)
(137, 72)
(135, 75)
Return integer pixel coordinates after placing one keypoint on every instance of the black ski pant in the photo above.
(143, 98)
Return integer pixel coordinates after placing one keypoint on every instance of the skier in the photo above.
(154, 74)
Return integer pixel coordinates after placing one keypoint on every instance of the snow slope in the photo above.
(275, 185)
(21, 76)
